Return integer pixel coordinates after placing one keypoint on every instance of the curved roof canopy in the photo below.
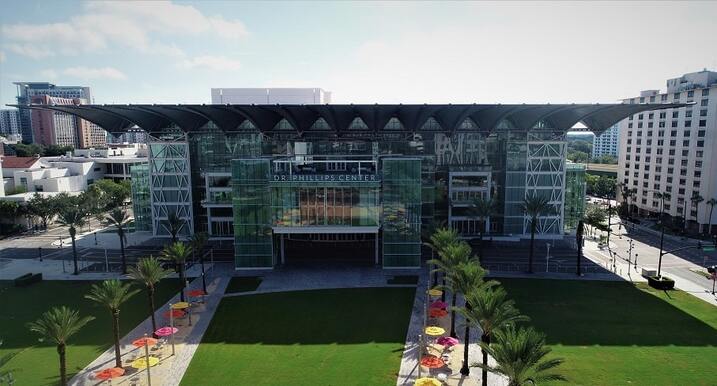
(340, 120)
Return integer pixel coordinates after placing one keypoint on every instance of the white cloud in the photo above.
(49, 74)
(141, 26)
(216, 63)
(86, 73)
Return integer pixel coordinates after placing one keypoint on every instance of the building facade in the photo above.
(280, 181)
(27, 90)
(270, 96)
(57, 128)
(607, 143)
(10, 122)
(673, 152)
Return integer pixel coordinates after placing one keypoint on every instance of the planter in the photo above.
(662, 283)
(27, 279)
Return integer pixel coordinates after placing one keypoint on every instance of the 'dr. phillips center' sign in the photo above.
(325, 178)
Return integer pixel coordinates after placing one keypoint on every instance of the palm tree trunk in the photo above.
(453, 315)
(532, 243)
(124, 260)
(115, 333)
(150, 293)
(74, 253)
(183, 281)
(709, 221)
(465, 370)
(63, 364)
(485, 338)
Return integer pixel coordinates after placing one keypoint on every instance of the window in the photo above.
(671, 161)
(651, 115)
(659, 150)
(672, 151)
(674, 123)
(667, 206)
(629, 125)
(681, 191)
(639, 133)
(642, 100)
(661, 133)
(700, 143)
(675, 114)
(663, 115)
(669, 179)
(695, 184)
(652, 99)
(639, 125)
(690, 93)
(685, 153)
(641, 115)
(649, 125)
(688, 114)
(670, 170)
(688, 123)
(697, 174)
(705, 92)
(658, 169)
(686, 143)
(629, 133)
(698, 154)
(676, 95)
(661, 124)
(673, 143)
(629, 141)
(663, 97)
(686, 133)
(703, 103)
(703, 122)
(673, 133)
(631, 117)
(701, 133)
(703, 113)
(660, 142)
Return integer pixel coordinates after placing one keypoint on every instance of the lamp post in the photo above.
(662, 197)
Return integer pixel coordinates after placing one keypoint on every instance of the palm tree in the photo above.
(520, 356)
(439, 240)
(490, 311)
(112, 293)
(482, 209)
(119, 218)
(534, 207)
(695, 201)
(452, 256)
(199, 240)
(149, 272)
(175, 225)
(466, 277)
(712, 202)
(58, 325)
(73, 217)
(5, 358)
(178, 253)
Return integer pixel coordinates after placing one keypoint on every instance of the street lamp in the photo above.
(661, 197)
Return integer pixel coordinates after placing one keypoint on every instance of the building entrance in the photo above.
(355, 249)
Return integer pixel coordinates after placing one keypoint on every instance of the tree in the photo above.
(58, 325)
(73, 217)
(438, 241)
(595, 217)
(199, 241)
(695, 201)
(112, 194)
(119, 218)
(534, 207)
(481, 210)
(41, 207)
(178, 253)
(149, 272)
(490, 310)
(627, 192)
(175, 225)
(111, 294)
(466, 277)
(578, 156)
(56, 150)
(452, 256)
(27, 150)
(9, 210)
(5, 359)
(712, 202)
(520, 356)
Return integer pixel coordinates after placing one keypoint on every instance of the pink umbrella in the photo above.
(166, 331)
(439, 304)
(447, 341)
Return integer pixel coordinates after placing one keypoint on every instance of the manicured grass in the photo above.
(615, 333)
(326, 337)
(37, 363)
(243, 284)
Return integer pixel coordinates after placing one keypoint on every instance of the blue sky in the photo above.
(364, 52)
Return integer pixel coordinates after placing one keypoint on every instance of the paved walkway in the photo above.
(172, 367)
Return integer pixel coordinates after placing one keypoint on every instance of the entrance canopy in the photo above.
(341, 120)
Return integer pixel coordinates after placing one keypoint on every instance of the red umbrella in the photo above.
(196, 293)
(145, 341)
(432, 362)
(447, 341)
(437, 312)
(174, 313)
(439, 304)
(166, 331)
(109, 373)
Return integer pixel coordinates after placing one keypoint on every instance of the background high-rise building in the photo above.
(673, 151)
(262, 96)
(57, 128)
(27, 90)
(607, 143)
(9, 122)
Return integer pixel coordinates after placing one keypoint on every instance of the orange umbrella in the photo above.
(437, 312)
(432, 362)
(144, 342)
(109, 373)
(174, 313)
(196, 293)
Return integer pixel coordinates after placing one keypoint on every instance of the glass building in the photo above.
(354, 182)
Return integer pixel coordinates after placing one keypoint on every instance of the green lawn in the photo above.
(325, 337)
(37, 363)
(614, 333)
(243, 284)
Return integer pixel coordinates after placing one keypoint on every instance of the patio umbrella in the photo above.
(434, 331)
(141, 363)
(435, 292)
(196, 293)
(147, 361)
(427, 382)
(182, 306)
(167, 331)
(439, 304)
(447, 341)
(109, 373)
(432, 362)
(146, 341)
(174, 313)
(437, 312)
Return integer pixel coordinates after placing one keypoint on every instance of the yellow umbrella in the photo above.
(435, 331)
(141, 363)
(427, 382)
(435, 292)
(180, 305)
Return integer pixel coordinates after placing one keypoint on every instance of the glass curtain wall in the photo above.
(141, 205)
(401, 212)
(316, 205)
(252, 214)
(574, 196)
